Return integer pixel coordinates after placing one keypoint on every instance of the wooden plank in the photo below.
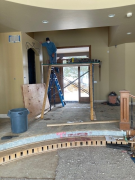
(72, 64)
(33, 95)
(91, 94)
(82, 123)
(46, 90)
(45, 112)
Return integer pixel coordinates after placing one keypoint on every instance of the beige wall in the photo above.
(14, 69)
(117, 68)
(97, 38)
(130, 67)
(122, 68)
(11, 73)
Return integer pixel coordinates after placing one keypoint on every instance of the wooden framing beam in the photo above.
(91, 95)
(82, 123)
(46, 90)
(71, 64)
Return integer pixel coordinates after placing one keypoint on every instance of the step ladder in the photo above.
(52, 83)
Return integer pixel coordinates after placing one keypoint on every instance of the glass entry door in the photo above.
(84, 88)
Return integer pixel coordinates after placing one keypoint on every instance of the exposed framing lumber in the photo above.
(45, 112)
(71, 64)
(82, 123)
(46, 91)
(91, 95)
(28, 150)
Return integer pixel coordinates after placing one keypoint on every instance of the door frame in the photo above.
(81, 99)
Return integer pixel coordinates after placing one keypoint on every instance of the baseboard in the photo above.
(3, 116)
(99, 101)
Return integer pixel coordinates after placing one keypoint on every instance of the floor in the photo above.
(84, 163)
(72, 112)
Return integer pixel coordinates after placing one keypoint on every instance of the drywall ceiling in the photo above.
(26, 18)
(75, 4)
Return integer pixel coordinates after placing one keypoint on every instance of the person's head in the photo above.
(47, 40)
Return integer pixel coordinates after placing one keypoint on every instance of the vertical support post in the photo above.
(93, 82)
(124, 110)
(91, 94)
(132, 113)
(46, 91)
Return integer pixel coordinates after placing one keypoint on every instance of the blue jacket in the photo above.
(51, 48)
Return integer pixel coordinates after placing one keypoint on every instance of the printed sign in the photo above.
(14, 38)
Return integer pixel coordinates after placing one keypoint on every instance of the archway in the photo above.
(31, 66)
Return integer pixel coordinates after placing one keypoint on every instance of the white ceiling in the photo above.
(18, 17)
(76, 4)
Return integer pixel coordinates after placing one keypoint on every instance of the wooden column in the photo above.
(91, 94)
(46, 91)
(124, 110)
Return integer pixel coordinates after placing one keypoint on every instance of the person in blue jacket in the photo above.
(51, 49)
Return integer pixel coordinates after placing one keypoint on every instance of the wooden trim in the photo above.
(124, 110)
(46, 92)
(91, 94)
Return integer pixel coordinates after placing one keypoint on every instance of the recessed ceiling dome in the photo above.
(75, 4)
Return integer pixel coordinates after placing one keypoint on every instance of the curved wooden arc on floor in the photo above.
(48, 146)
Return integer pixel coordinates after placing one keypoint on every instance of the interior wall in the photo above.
(28, 42)
(122, 68)
(130, 67)
(14, 69)
(11, 73)
(117, 68)
(97, 38)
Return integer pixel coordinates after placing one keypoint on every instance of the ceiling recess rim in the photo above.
(76, 4)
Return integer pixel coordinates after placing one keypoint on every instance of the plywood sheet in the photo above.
(33, 95)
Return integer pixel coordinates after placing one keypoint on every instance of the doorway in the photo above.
(84, 84)
(79, 91)
(31, 66)
(71, 92)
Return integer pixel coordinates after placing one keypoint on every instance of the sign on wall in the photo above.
(14, 38)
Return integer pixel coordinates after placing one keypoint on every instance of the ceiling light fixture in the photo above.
(111, 15)
(45, 21)
(129, 33)
(129, 14)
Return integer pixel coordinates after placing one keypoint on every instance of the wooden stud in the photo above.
(68, 144)
(91, 94)
(82, 123)
(1, 160)
(64, 145)
(72, 64)
(36, 150)
(20, 153)
(46, 90)
(55, 146)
